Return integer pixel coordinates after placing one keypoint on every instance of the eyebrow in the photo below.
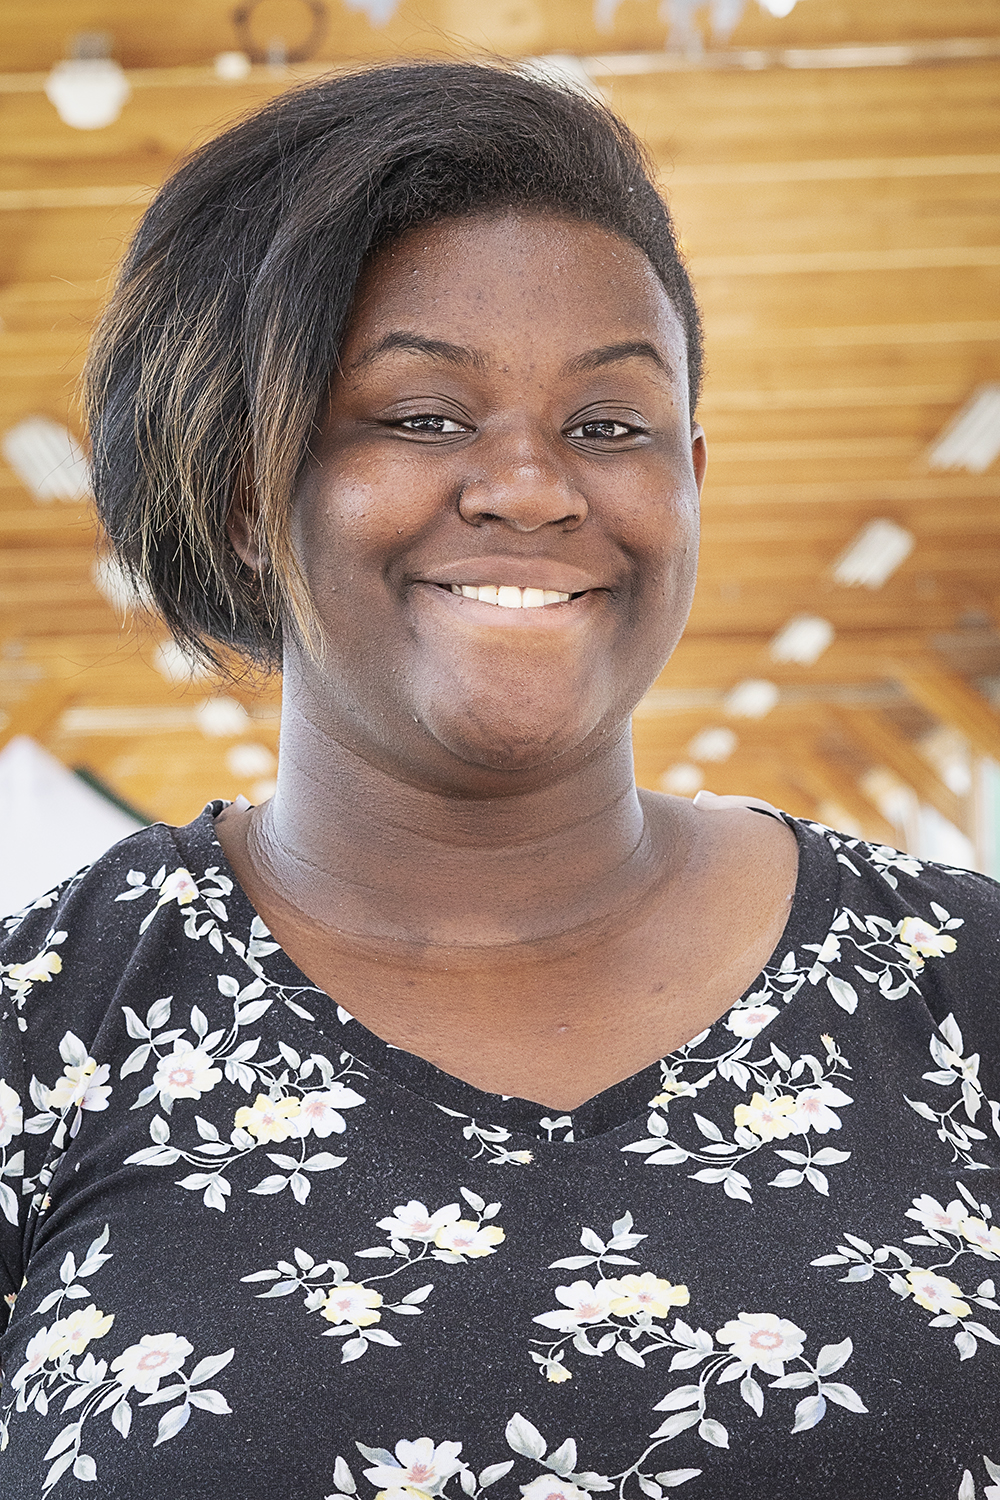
(416, 343)
(611, 354)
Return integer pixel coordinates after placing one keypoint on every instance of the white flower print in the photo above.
(814, 1108)
(749, 1021)
(929, 1212)
(413, 1221)
(294, 1097)
(422, 1465)
(764, 1340)
(143, 1365)
(582, 1303)
(790, 1098)
(11, 1114)
(761, 1341)
(352, 1303)
(54, 1371)
(980, 1235)
(551, 1487)
(937, 1293)
(320, 1110)
(186, 1073)
(955, 1233)
(353, 1306)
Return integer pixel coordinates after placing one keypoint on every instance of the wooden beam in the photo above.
(38, 711)
(883, 741)
(951, 699)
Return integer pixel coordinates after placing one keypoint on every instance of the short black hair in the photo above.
(216, 352)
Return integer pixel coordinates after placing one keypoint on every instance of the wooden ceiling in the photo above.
(840, 211)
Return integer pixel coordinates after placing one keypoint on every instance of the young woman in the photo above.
(463, 1119)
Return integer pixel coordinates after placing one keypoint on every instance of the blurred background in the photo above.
(834, 169)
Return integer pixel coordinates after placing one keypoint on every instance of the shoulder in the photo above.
(939, 926)
(67, 948)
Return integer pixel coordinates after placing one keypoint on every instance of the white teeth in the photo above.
(506, 596)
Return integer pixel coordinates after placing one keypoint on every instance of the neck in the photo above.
(357, 851)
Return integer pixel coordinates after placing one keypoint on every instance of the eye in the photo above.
(603, 430)
(431, 424)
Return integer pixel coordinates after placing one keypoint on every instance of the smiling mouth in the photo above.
(505, 596)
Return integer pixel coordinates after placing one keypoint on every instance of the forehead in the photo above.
(494, 281)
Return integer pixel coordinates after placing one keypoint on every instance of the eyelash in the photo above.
(627, 429)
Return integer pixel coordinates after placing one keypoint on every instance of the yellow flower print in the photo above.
(72, 1335)
(937, 1294)
(269, 1119)
(984, 1236)
(407, 1492)
(352, 1303)
(467, 1238)
(84, 1086)
(38, 970)
(671, 1089)
(770, 1119)
(648, 1293)
(179, 887)
(557, 1373)
(924, 941)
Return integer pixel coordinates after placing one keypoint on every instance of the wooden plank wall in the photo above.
(842, 226)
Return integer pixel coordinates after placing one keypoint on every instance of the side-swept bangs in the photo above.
(215, 354)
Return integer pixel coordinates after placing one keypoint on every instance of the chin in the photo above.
(508, 743)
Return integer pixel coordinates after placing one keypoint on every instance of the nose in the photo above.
(520, 483)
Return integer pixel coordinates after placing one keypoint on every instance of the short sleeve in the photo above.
(47, 1075)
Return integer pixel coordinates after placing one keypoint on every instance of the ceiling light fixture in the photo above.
(802, 640)
(47, 458)
(88, 89)
(250, 760)
(971, 439)
(222, 717)
(752, 698)
(875, 553)
(682, 780)
(713, 745)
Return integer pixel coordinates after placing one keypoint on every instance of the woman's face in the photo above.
(510, 427)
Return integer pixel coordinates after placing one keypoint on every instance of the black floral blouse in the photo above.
(249, 1250)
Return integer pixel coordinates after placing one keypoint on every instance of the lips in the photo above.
(512, 576)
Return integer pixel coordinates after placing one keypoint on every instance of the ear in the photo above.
(699, 454)
(241, 524)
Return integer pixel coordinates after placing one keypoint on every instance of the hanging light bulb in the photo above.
(89, 88)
